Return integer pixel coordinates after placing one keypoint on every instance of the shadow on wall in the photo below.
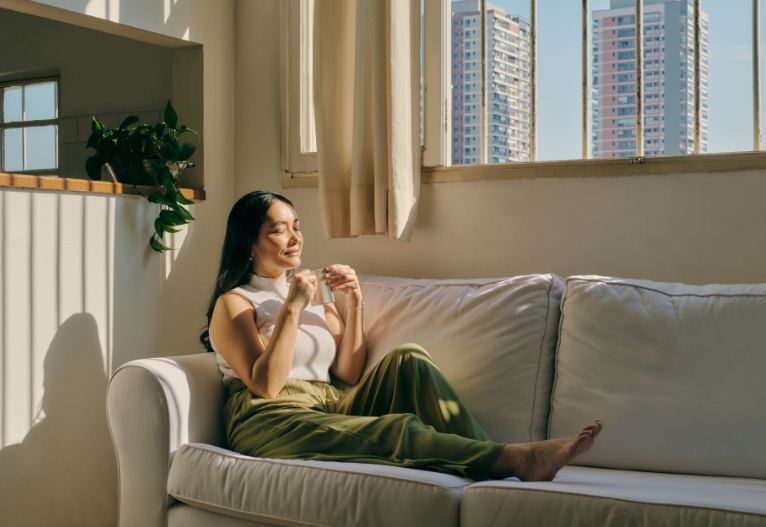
(64, 471)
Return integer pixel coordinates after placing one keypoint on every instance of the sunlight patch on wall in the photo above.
(43, 316)
(106, 9)
(176, 241)
(18, 374)
(56, 258)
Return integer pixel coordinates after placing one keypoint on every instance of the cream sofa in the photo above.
(675, 372)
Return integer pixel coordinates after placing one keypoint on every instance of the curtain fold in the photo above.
(367, 113)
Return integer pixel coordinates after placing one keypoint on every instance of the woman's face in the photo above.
(279, 243)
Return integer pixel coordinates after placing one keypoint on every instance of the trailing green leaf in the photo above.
(180, 198)
(93, 168)
(183, 213)
(172, 218)
(160, 228)
(157, 246)
(156, 197)
(171, 118)
(187, 149)
(94, 138)
(128, 121)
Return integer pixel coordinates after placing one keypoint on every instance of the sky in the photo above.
(559, 72)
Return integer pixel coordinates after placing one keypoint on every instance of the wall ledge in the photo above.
(26, 181)
(578, 168)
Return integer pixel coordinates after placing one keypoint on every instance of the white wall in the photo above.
(82, 294)
(694, 228)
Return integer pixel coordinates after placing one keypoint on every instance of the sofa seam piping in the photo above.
(274, 461)
(200, 504)
(665, 293)
(420, 286)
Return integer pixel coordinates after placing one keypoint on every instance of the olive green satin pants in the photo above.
(403, 412)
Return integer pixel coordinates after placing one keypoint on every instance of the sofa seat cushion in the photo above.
(581, 496)
(494, 340)
(675, 371)
(296, 492)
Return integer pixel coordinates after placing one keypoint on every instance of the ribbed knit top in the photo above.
(314, 345)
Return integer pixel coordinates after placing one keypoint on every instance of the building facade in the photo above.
(668, 79)
(508, 78)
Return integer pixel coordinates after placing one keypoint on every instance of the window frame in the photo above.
(437, 153)
(292, 160)
(29, 81)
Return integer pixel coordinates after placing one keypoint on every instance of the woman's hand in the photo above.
(343, 279)
(303, 287)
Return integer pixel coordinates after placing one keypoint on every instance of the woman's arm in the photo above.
(351, 339)
(263, 369)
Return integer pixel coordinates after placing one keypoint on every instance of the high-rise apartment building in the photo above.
(507, 85)
(668, 79)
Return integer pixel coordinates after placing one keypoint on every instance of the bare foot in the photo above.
(541, 460)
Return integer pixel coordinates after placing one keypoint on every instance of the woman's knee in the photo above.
(408, 351)
(411, 356)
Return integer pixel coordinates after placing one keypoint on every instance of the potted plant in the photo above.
(140, 154)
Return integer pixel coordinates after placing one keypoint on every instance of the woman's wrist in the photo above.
(293, 308)
(355, 303)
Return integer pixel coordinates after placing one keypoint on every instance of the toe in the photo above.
(599, 427)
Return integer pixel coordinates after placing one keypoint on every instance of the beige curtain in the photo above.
(367, 112)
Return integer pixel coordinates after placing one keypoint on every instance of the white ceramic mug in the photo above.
(324, 291)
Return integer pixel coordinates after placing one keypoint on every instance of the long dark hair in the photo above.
(245, 221)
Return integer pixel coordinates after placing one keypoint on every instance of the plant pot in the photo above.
(118, 173)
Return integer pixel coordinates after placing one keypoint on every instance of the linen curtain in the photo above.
(367, 114)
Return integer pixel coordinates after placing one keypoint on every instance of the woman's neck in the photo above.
(266, 273)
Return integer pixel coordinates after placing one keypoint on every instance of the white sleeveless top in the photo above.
(314, 345)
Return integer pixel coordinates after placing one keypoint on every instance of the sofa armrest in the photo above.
(153, 407)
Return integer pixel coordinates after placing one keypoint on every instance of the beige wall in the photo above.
(694, 228)
(82, 294)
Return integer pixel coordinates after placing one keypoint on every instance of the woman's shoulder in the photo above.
(235, 298)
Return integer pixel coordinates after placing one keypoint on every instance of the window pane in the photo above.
(559, 84)
(669, 77)
(729, 118)
(308, 130)
(507, 76)
(41, 147)
(422, 71)
(40, 101)
(614, 76)
(12, 104)
(13, 158)
(466, 83)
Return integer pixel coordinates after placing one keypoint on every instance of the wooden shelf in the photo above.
(84, 185)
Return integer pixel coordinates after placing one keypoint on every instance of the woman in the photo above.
(276, 351)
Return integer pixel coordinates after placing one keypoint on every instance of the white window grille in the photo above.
(29, 126)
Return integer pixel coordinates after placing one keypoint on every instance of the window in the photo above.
(506, 70)
(29, 126)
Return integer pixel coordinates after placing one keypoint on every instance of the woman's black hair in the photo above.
(244, 224)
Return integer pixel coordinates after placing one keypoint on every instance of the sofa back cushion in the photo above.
(676, 372)
(493, 339)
